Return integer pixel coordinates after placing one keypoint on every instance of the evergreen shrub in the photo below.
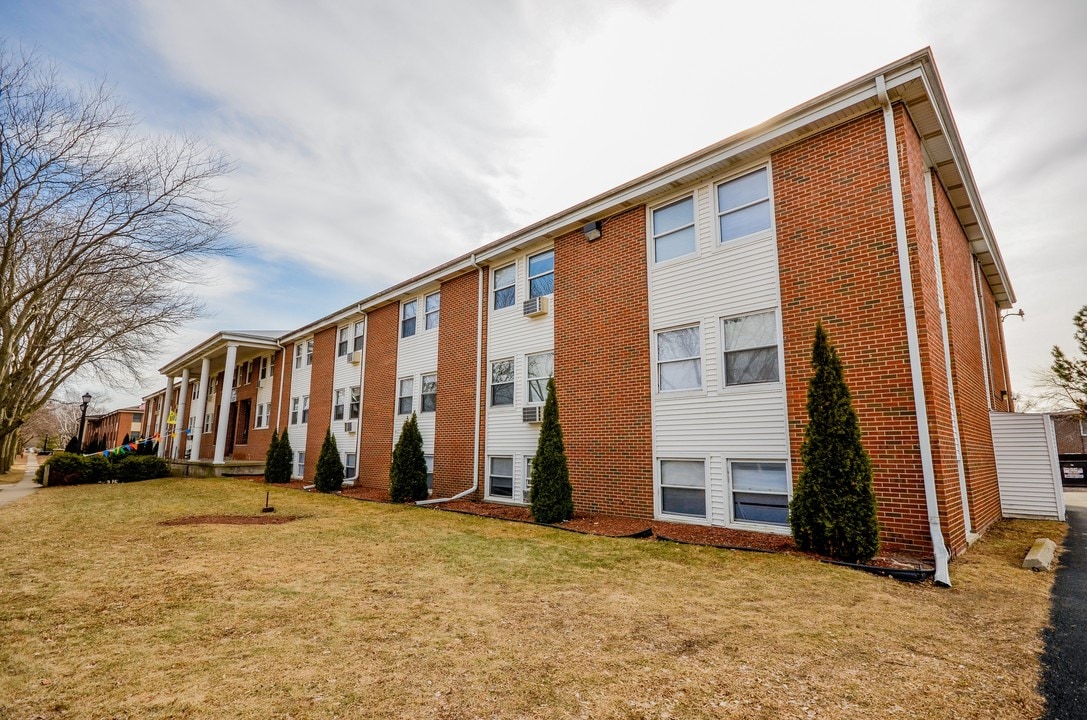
(551, 496)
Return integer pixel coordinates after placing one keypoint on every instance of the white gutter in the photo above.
(479, 379)
(939, 549)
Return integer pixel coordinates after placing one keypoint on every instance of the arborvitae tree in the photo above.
(329, 476)
(275, 470)
(73, 445)
(552, 497)
(833, 511)
(286, 454)
(407, 475)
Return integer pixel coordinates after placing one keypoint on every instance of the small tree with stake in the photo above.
(329, 476)
(275, 469)
(407, 475)
(552, 497)
(833, 511)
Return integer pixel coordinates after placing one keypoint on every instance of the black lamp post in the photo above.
(83, 418)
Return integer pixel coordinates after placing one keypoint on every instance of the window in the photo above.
(350, 463)
(683, 487)
(264, 367)
(673, 230)
(207, 423)
(407, 319)
(501, 477)
(502, 382)
(428, 399)
(541, 274)
(138, 417)
(300, 463)
(259, 418)
(540, 368)
(357, 345)
(298, 355)
(1082, 426)
(429, 472)
(505, 286)
(751, 353)
(305, 409)
(679, 360)
(526, 492)
(195, 392)
(248, 372)
(294, 411)
(743, 205)
(760, 492)
(432, 307)
(353, 408)
(341, 341)
(337, 405)
(309, 352)
(407, 389)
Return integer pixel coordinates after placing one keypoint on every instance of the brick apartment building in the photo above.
(676, 313)
(113, 427)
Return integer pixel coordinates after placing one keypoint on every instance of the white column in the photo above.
(167, 401)
(200, 408)
(182, 418)
(224, 403)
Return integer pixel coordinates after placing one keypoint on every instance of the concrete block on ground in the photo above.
(1041, 554)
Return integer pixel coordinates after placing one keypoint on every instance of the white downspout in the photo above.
(282, 372)
(930, 196)
(479, 379)
(939, 549)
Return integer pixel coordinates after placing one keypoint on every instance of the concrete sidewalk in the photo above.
(18, 491)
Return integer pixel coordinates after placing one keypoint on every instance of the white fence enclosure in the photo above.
(1026, 466)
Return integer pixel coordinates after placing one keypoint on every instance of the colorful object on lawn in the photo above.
(125, 449)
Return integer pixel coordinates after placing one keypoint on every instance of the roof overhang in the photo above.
(216, 346)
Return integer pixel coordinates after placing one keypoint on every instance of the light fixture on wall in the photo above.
(1009, 314)
(592, 230)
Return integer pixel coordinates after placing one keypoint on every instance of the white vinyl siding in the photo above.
(417, 356)
(718, 282)
(346, 377)
(1027, 470)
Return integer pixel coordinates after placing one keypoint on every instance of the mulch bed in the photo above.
(264, 519)
(624, 527)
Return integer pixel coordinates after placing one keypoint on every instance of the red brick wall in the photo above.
(602, 370)
(1070, 439)
(975, 434)
(455, 415)
(839, 264)
(246, 391)
(379, 397)
(997, 356)
(320, 396)
(926, 288)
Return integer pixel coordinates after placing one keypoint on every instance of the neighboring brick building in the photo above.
(676, 313)
(113, 427)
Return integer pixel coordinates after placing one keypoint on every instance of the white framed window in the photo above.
(350, 465)
(429, 472)
(359, 333)
(673, 230)
(500, 477)
(750, 348)
(1083, 427)
(760, 492)
(195, 391)
(338, 398)
(540, 368)
(526, 491)
(432, 307)
(264, 367)
(207, 423)
(683, 487)
(679, 359)
(502, 382)
(295, 402)
(342, 341)
(428, 393)
(407, 318)
(299, 463)
(305, 409)
(260, 419)
(353, 408)
(249, 372)
(298, 352)
(541, 274)
(505, 286)
(309, 352)
(404, 398)
(743, 205)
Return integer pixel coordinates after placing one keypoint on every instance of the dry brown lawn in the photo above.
(16, 473)
(360, 610)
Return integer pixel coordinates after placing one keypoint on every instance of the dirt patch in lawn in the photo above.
(265, 519)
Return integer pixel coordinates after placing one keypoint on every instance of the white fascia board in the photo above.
(211, 346)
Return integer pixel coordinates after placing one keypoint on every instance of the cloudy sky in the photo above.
(374, 140)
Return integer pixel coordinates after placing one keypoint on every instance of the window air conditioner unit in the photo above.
(354, 357)
(260, 384)
(535, 307)
(349, 427)
(532, 414)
